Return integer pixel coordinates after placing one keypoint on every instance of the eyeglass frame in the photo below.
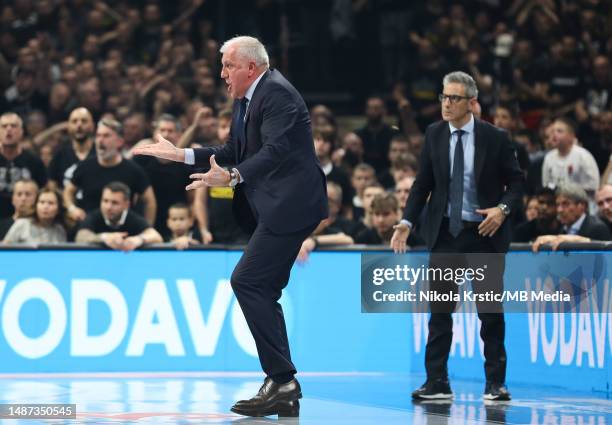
(452, 98)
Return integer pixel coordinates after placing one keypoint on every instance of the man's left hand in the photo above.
(215, 177)
(494, 217)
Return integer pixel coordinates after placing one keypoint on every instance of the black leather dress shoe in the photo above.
(272, 399)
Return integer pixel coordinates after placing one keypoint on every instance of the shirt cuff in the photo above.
(189, 156)
(407, 223)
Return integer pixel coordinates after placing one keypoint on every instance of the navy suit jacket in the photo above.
(499, 179)
(284, 186)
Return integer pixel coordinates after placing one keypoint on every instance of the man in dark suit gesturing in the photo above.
(470, 179)
(280, 196)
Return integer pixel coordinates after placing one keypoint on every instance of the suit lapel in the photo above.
(252, 103)
(444, 154)
(480, 147)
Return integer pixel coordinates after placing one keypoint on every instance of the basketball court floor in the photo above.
(344, 398)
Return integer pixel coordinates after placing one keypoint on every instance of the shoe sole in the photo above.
(492, 397)
(282, 409)
(438, 396)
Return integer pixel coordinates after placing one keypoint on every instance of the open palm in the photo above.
(163, 149)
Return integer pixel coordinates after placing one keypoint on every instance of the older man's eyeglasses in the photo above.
(452, 98)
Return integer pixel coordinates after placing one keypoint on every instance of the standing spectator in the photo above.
(82, 194)
(45, 226)
(79, 147)
(376, 134)
(114, 224)
(568, 162)
(23, 199)
(15, 162)
(168, 178)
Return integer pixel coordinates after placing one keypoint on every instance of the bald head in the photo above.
(80, 125)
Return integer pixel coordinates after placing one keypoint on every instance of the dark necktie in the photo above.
(242, 135)
(456, 189)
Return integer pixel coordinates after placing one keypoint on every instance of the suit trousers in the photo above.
(493, 326)
(258, 280)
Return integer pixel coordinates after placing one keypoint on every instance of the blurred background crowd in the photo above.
(82, 82)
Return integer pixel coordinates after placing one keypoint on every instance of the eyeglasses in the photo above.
(453, 98)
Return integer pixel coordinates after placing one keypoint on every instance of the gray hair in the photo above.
(573, 192)
(167, 118)
(471, 90)
(249, 48)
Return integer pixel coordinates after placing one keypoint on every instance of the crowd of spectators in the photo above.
(81, 83)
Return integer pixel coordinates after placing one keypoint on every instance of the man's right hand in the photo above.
(399, 238)
(163, 149)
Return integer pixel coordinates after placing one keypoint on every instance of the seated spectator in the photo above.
(114, 224)
(386, 213)
(335, 223)
(334, 230)
(350, 154)
(546, 222)
(532, 208)
(363, 176)
(572, 207)
(372, 190)
(568, 162)
(23, 199)
(376, 134)
(603, 198)
(45, 226)
(180, 223)
(402, 190)
(399, 146)
(324, 145)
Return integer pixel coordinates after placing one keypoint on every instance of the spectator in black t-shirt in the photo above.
(77, 149)
(168, 178)
(385, 214)
(23, 199)
(82, 194)
(180, 224)
(114, 224)
(15, 162)
(324, 145)
(376, 134)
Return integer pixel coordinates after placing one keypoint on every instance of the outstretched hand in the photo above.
(215, 177)
(163, 149)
